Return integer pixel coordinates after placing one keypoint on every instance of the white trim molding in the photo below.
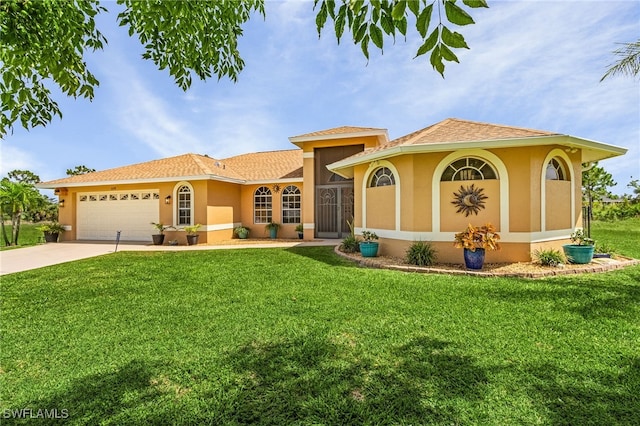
(373, 166)
(503, 179)
(543, 186)
(176, 203)
(308, 154)
(505, 237)
(309, 225)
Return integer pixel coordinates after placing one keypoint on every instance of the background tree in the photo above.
(79, 170)
(595, 182)
(628, 63)
(15, 199)
(44, 42)
(23, 176)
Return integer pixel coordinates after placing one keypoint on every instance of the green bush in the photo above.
(549, 257)
(349, 245)
(616, 211)
(421, 253)
(604, 248)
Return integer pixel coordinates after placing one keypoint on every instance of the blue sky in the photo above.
(533, 64)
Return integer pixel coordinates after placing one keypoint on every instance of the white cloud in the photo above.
(14, 158)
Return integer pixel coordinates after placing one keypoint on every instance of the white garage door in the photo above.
(101, 214)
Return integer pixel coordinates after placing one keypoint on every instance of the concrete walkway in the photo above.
(28, 258)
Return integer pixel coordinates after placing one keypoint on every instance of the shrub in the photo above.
(549, 257)
(421, 253)
(349, 245)
(604, 248)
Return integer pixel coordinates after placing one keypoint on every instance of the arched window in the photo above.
(469, 168)
(555, 170)
(262, 207)
(184, 206)
(291, 204)
(382, 177)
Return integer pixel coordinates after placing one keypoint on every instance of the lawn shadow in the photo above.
(591, 398)
(315, 380)
(322, 254)
(611, 295)
(112, 397)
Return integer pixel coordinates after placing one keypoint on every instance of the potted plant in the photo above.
(475, 241)
(242, 232)
(368, 247)
(192, 234)
(272, 227)
(300, 231)
(51, 231)
(158, 239)
(582, 248)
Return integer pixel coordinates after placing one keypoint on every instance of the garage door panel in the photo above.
(101, 214)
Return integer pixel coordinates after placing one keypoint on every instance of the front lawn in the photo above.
(300, 336)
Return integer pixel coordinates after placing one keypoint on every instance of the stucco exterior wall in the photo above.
(450, 221)
(257, 230)
(381, 207)
(558, 205)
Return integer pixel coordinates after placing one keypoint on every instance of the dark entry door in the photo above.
(334, 207)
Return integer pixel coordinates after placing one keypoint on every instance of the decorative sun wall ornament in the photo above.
(469, 200)
(276, 188)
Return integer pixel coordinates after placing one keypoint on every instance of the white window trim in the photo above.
(373, 166)
(253, 203)
(176, 203)
(543, 187)
(503, 179)
(282, 208)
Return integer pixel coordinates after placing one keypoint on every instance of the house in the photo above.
(426, 185)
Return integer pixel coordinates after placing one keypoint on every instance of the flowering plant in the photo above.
(472, 238)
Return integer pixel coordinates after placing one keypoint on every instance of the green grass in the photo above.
(623, 235)
(29, 235)
(300, 336)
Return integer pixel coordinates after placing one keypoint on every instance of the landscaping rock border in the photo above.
(528, 270)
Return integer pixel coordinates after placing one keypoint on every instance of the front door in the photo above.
(334, 207)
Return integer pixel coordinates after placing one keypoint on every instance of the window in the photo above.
(291, 202)
(184, 205)
(382, 177)
(469, 169)
(262, 209)
(555, 170)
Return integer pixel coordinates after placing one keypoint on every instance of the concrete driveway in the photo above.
(28, 258)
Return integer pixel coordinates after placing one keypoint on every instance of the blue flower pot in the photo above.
(474, 259)
(578, 254)
(273, 233)
(369, 249)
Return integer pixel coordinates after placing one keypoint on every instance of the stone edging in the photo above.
(587, 269)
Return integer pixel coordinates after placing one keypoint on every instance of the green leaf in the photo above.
(436, 60)
(423, 21)
(321, 18)
(364, 45)
(360, 34)
(340, 21)
(455, 40)
(414, 6)
(447, 54)
(401, 25)
(386, 22)
(475, 3)
(456, 15)
(376, 35)
(429, 43)
(398, 10)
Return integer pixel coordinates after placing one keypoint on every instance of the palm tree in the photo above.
(15, 198)
(629, 62)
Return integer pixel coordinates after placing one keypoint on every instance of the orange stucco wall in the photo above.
(451, 221)
(257, 230)
(558, 204)
(381, 207)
